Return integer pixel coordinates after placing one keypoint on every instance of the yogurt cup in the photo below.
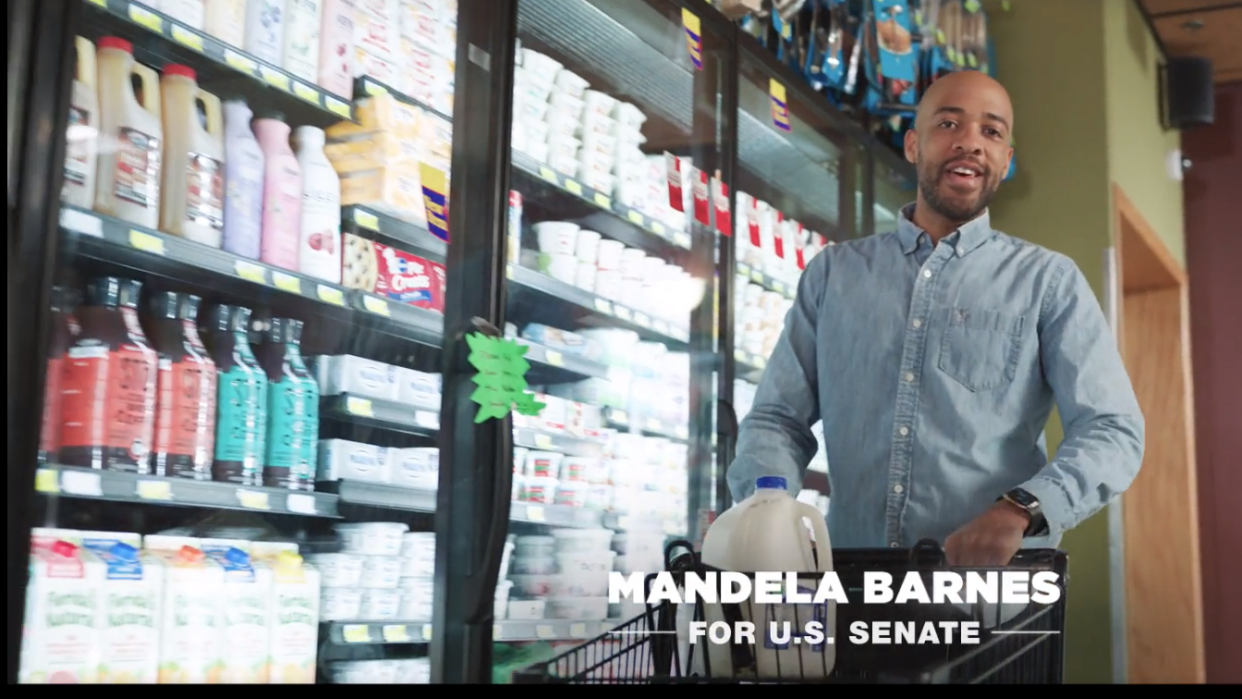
(571, 494)
(564, 164)
(578, 468)
(338, 569)
(633, 263)
(584, 277)
(572, 541)
(609, 257)
(526, 609)
(413, 670)
(541, 491)
(556, 237)
(534, 545)
(628, 114)
(530, 109)
(364, 672)
(381, 572)
(340, 604)
(419, 546)
(562, 125)
(543, 464)
(416, 567)
(534, 565)
(372, 538)
(577, 608)
(562, 102)
(572, 83)
(536, 130)
(599, 103)
(380, 605)
(599, 497)
(539, 68)
(608, 284)
(559, 266)
(586, 246)
(535, 585)
(538, 151)
(600, 182)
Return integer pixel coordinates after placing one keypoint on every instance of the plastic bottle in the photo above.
(282, 192)
(108, 386)
(127, 184)
(226, 20)
(243, 182)
(192, 205)
(241, 420)
(292, 409)
(303, 23)
(319, 246)
(185, 421)
(766, 532)
(191, 13)
(62, 332)
(336, 42)
(265, 29)
(82, 137)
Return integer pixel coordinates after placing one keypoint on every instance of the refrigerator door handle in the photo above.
(493, 551)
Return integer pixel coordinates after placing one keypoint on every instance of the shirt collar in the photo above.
(964, 239)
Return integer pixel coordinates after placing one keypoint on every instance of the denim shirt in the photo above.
(934, 369)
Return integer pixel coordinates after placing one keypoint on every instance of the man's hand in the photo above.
(990, 540)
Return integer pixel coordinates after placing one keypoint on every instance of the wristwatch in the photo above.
(1028, 503)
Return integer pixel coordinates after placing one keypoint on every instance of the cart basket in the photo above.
(1017, 643)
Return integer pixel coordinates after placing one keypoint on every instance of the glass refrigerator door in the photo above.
(895, 185)
(611, 278)
(239, 454)
(797, 193)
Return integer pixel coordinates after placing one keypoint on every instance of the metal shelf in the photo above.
(546, 441)
(506, 630)
(621, 420)
(367, 86)
(361, 220)
(117, 486)
(767, 281)
(424, 501)
(566, 363)
(422, 420)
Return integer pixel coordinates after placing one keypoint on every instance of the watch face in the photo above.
(1023, 498)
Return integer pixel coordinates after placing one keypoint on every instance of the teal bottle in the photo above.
(292, 409)
(241, 423)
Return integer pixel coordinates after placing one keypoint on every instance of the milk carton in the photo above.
(130, 625)
(191, 628)
(64, 601)
(247, 598)
(46, 536)
(294, 619)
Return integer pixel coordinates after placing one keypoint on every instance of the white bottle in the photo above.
(303, 21)
(191, 13)
(131, 134)
(82, 137)
(192, 201)
(226, 20)
(265, 29)
(767, 532)
(319, 248)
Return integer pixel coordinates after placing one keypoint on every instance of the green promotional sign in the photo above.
(501, 378)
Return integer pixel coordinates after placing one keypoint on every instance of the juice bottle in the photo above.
(185, 422)
(265, 29)
(243, 182)
(127, 182)
(192, 205)
(303, 22)
(336, 47)
(292, 409)
(241, 421)
(82, 137)
(282, 192)
(130, 628)
(319, 247)
(295, 619)
(226, 20)
(108, 389)
(58, 347)
(191, 13)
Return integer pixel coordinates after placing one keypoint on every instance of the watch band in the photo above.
(1038, 525)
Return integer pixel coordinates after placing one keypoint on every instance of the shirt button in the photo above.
(898, 489)
(894, 545)
(918, 322)
(909, 376)
(903, 431)
(927, 274)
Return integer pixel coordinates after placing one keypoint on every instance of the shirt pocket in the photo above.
(981, 347)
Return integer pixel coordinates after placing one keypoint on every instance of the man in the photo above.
(933, 356)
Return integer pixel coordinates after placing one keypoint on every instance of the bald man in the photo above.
(934, 356)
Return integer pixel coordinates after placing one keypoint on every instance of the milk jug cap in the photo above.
(115, 42)
(181, 71)
(772, 483)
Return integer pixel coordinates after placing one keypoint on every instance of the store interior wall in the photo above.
(1213, 249)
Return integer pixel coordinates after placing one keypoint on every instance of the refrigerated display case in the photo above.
(895, 185)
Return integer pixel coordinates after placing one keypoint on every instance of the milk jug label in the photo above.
(204, 202)
(77, 152)
(242, 420)
(137, 168)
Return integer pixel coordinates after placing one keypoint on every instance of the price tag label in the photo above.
(359, 406)
(428, 420)
(287, 282)
(545, 631)
(146, 242)
(623, 522)
(623, 313)
(373, 88)
(743, 270)
(80, 222)
(756, 276)
(47, 481)
(426, 632)
(306, 93)
(376, 305)
(548, 174)
(642, 319)
(241, 63)
(338, 107)
(661, 327)
(396, 633)
(603, 306)
(654, 425)
(356, 633)
(681, 240)
(101, 3)
(554, 358)
(253, 500)
(578, 630)
(636, 218)
(543, 441)
(250, 272)
(603, 201)
(155, 490)
(620, 417)
(331, 295)
(739, 355)
(83, 483)
(185, 37)
(301, 503)
(682, 432)
(573, 186)
(145, 18)
(535, 513)
(366, 219)
(657, 227)
(498, 632)
(275, 78)
(509, 271)
(760, 362)
(778, 287)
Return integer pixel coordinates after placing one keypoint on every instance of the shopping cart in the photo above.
(1020, 644)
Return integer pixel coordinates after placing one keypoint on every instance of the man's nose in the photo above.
(970, 144)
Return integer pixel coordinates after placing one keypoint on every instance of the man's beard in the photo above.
(955, 210)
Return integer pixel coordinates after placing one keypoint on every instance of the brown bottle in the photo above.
(185, 419)
(108, 385)
(62, 332)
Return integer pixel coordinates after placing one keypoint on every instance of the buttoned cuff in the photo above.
(1054, 503)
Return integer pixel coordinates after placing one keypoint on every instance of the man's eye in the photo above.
(991, 132)
(946, 124)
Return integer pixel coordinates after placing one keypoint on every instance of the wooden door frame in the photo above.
(1159, 538)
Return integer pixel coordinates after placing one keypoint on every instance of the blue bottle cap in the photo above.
(772, 483)
(236, 556)
(124, 552)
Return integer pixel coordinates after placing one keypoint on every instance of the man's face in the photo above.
(961, 148)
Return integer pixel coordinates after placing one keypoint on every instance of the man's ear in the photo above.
(912, 146)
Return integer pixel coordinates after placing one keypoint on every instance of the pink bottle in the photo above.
(282, 192)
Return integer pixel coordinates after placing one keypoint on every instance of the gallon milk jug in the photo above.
(319, 246)
(82, 138)
(192, 205)
(767, 532)
(226, 20)
(243, 182)
(282, 193)
(127, 182)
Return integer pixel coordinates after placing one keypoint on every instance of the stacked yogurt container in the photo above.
(363, 581)
(562, 575)
(405, 671)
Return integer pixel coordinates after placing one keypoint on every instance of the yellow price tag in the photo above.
(396, 633)
(250, 272)
(359, 406)
(682, 432)
(145, 18)
(331, 295)
(620, 417)
(573, 186)
(287, 282)
(972, 61)
(548, 174)
(545, 631)
(760, 362)
(47, 481)
(681, 240)
(366, 219)
(739, 355)
(376, 305)
(253, 500)
(743, 270)
(146, 242)
(373, 88)
(275, 78)
(185, 37)
(426, 632)
(623, 313)
(778, 286)
(657, 227)
(653, 425)
(578, 630)
(554, 358)
(497, 632)
(603, 306)
(535, 513)
(101, 3)
(756, 276)
(642, 319)
(635, 217)
(155, 490)
(543, 441)
(337, 107)
(509, 271)
(239, 62)
(305, 92)
(356, 633)
(603, 201)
